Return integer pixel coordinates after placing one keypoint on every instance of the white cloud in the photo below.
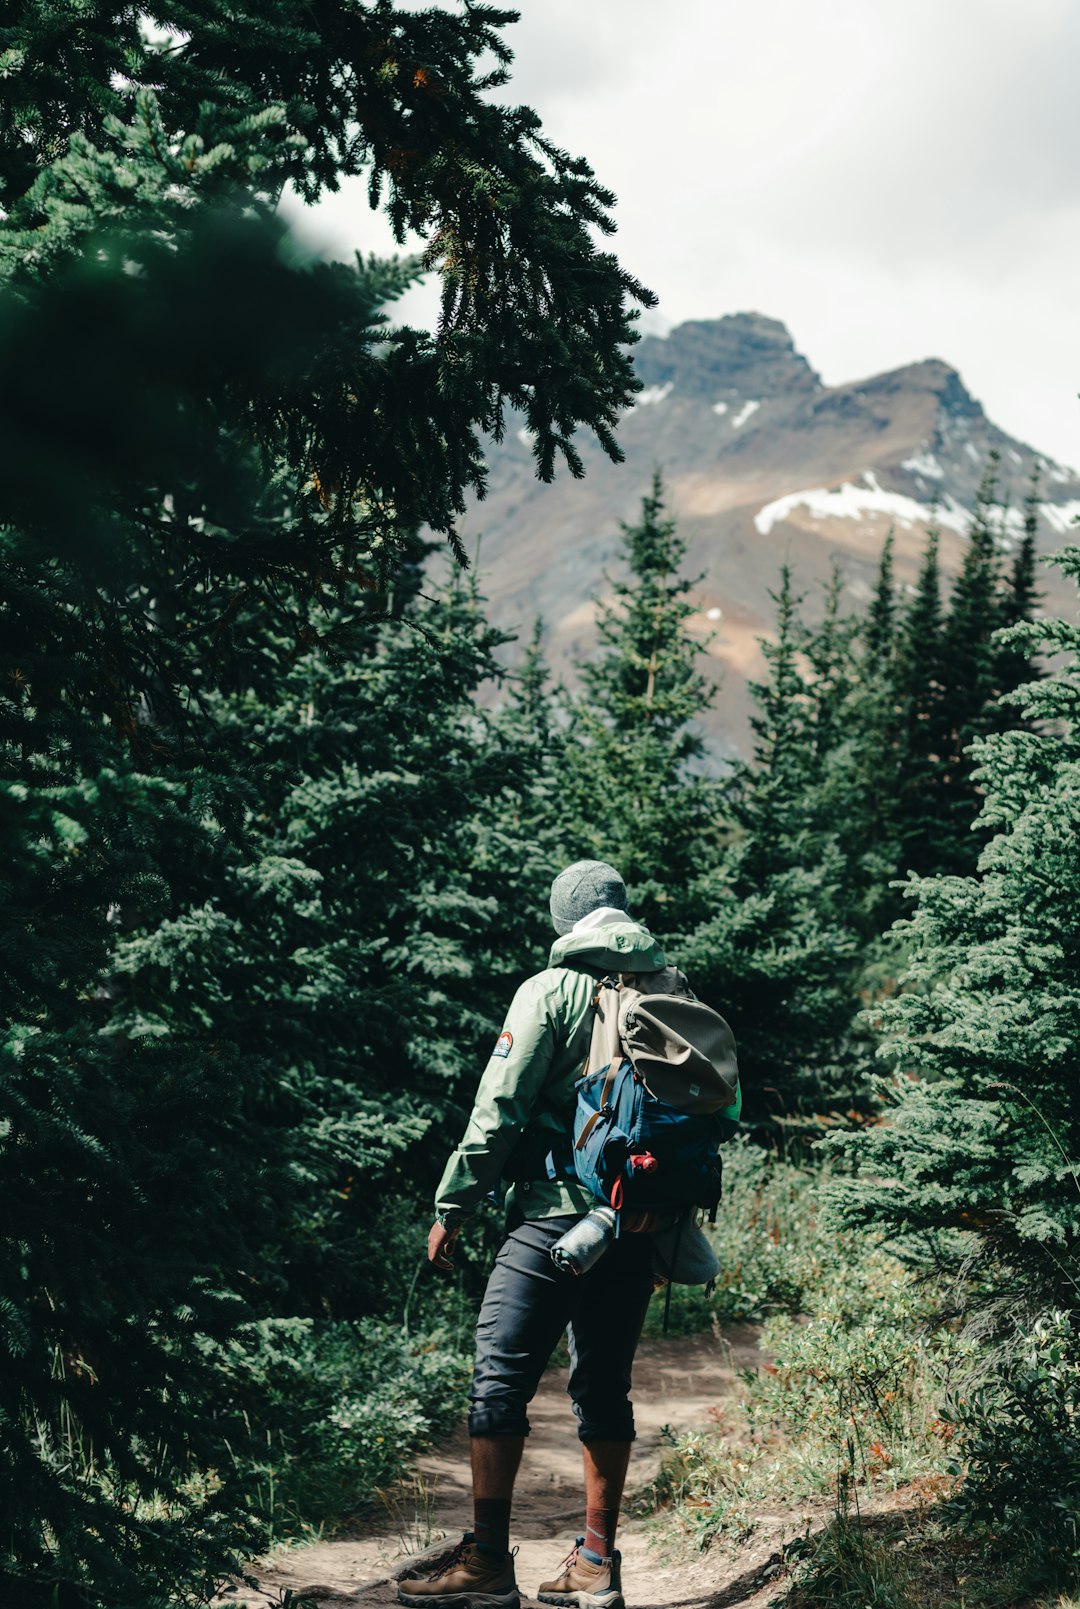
(894, 181)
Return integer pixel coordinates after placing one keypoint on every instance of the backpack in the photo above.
(659, 1094)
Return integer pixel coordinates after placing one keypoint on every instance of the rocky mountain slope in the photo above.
(762, 462)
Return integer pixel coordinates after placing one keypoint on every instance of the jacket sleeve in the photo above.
(509, 1085)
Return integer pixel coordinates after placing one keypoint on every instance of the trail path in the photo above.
(682, 1382)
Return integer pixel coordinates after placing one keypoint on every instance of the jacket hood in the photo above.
(616, 947)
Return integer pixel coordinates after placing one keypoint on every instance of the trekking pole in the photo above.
(421, 1265)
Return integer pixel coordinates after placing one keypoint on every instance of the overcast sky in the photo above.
(895, 179)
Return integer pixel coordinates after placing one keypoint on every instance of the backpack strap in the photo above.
(605, 1095)
(558, 1164)
(609, 1051)
(595, 1008)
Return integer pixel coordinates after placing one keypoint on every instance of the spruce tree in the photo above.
(860, 774)
(879, 634)
(349, 946)
(975, 1168)
(634, 792)
(952, 674)
(308, 951)
(969, 664)
(519, 826)
(1021, 597)
(876, 760)
(922, 758)
(775, 950)
(402, 98)
(215, 455)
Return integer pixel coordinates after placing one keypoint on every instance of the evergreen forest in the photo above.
(280, 808)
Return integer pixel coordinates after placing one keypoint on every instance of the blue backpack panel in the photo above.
(636, 1151)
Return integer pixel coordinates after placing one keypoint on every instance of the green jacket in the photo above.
(529, 1079)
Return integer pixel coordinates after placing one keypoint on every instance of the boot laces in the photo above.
(455, 1557)
(571, 1558)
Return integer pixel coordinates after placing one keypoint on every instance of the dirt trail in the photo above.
(683, 1382)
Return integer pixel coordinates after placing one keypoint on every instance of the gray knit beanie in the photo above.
(584, 887)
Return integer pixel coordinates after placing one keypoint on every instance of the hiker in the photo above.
(524, 1108)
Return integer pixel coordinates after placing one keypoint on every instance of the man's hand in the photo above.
(440, 1246)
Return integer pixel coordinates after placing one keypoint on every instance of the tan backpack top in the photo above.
(682, 1050)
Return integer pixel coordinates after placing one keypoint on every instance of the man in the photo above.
(527, 1090)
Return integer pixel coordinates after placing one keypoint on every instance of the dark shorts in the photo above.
(529, 1303)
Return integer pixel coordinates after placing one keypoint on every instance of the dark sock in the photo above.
(491, 1525)
(600, 1527)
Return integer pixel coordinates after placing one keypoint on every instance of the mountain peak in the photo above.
(761, 462)
(743, 355)
(931, 376)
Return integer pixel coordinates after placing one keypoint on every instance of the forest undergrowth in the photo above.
(878, 1426)
(874, 1430)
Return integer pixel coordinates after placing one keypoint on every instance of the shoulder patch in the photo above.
(503, 1043)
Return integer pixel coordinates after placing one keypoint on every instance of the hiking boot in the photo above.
(465, 1579)
(418, 1566)
(583, 1584)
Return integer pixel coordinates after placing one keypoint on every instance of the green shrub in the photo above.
(855, 1371)
(770, 1245)
(846, 1566)
(775, 1254)
(325, 1415)
(1018, 1440)
(767, 1237)
(863, 1368)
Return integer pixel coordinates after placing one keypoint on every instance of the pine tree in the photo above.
(1015, 666)
(975, 1168)
(776, 951)
(923, 737)
(633, 791)
(873, 768)
(216, 453)
(519, 825)
(879, 634)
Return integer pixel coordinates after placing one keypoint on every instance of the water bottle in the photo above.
(586, 1242)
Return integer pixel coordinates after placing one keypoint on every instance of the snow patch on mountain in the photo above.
(744, 413)
(851, 502)
(925, 464)
(1061, 517)
(652, 394)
